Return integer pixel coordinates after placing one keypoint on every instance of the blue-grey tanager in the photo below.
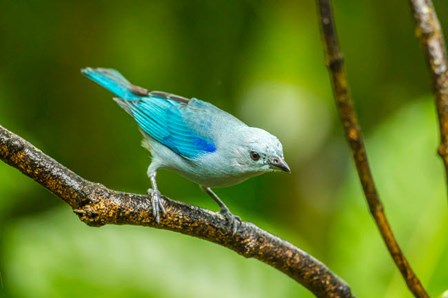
(194, 138)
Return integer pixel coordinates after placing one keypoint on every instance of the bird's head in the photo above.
(262, 152)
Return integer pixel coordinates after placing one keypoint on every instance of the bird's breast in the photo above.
(215, 171)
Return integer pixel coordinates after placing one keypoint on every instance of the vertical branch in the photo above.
(427, 29)
(353, 134)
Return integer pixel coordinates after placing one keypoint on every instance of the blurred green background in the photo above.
(263, 62)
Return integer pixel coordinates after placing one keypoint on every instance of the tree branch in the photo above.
(96, 206)
(428, 31)
(353, 134)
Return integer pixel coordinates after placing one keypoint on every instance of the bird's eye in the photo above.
(254, 155)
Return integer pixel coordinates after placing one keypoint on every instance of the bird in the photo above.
(194, 138)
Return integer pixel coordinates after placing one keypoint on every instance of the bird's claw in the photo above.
(233, 220)
(157, 206)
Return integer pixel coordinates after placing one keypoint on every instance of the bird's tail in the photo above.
(115, 82)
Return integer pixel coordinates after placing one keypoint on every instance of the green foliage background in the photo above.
(260, 60)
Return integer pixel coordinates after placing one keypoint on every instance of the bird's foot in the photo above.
(157, 206)
(233, 220)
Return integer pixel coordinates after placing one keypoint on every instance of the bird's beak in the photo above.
(279, 164)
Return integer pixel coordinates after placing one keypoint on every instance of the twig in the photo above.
(96, 206)
(427, 29)
(353, 134)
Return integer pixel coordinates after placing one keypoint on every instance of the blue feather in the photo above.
(159, 115)
(162, 120)
(204, 145)
(112, 80)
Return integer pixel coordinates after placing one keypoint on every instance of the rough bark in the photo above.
(97, 205)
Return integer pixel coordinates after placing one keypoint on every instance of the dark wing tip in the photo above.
(170, 96)
(139, 91)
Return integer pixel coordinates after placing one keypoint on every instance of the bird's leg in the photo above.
(234, 220)
(156, 196)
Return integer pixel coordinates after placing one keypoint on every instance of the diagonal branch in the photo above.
(353, 134)
(96, 206)
(427, 28)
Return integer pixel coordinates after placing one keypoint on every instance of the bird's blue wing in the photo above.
(163, 118)
(167, 118)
